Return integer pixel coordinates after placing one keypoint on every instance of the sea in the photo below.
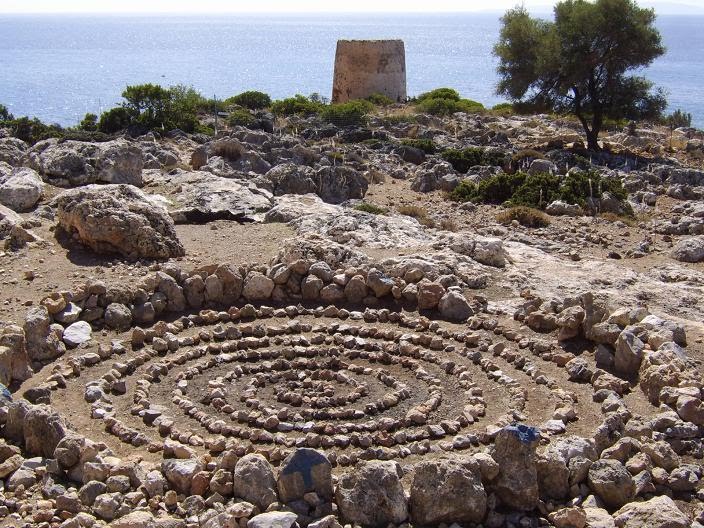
(58, 67)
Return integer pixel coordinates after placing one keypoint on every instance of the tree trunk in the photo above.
(592, 139)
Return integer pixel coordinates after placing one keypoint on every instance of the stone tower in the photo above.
(365, 67)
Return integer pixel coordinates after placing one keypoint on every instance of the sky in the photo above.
(287, 6)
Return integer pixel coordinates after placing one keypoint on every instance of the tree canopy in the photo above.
(582, 62)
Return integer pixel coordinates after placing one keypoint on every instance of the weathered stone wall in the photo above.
(364, 67)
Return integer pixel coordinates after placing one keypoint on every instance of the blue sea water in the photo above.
(60, 67)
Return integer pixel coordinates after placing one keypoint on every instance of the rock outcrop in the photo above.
(118, 219)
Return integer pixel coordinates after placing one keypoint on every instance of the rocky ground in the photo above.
(215, 332)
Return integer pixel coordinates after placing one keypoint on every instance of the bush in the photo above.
(5, 114)
(378, 99)
(440, 93)
(32, 130)
(240, 117)
(426, 145)
(298, 104)
(115, 119)
(678, 119)
(503, 109)
(538, 190)
(462, 160)
(343, 114)
(89, 123)
(251, 99)
(85, 135)
(417, 212)
(370, 208)
(526, 216)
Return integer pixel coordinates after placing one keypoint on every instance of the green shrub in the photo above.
(462, 159)
(378, 99)
(350, 113)
(678, 119)
(578, 186)
(240, 117)
(426, 145)
(89, 123)
(440, 93)
(115, 119)
(538, 190)
(442, 106)
(299, 104)
(526, 216)
(5, 114)
(85, 135)
(251, 99)
(503, 109)
(370, 208)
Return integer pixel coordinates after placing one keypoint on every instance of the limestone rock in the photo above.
(254, 481)
(658, 512)
(118, 219)
(273, 520)
(43, 343)
(257, 287)
(303, 471)
(21, 189)
(338, 184)
(454, 306)
(12, 150)
(180, 473)
(371, 495)
(446, 491)
(203, 197)
(689, 249)
(558, 208)
(429, 294)
(290, 178)
(42, 430)
(517, 482)
(71, 163)
(612, 482)
(629, 353)
(77, 333)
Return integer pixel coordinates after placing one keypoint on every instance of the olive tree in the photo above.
(582, 62)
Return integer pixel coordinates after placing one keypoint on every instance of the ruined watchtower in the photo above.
(365, 67)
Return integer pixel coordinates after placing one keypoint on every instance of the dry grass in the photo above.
(417, 212)
(448, 224)
(526, 216)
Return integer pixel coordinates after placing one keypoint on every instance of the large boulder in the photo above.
(371, 495)
(447, 491)
(454, 306)
(303, 471)
(254, 481)
(290, 178)
(43, 340)
(180, 473)
(338, 184)
(72, 163)
(118, 219)
(201, 197)
(690, 249)
(612, 482)
(12, 150)
(14, 363)
(292, 206)
(20, 189)
(629, 354)
(42, 429)
(517, 482)
(658, 512)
